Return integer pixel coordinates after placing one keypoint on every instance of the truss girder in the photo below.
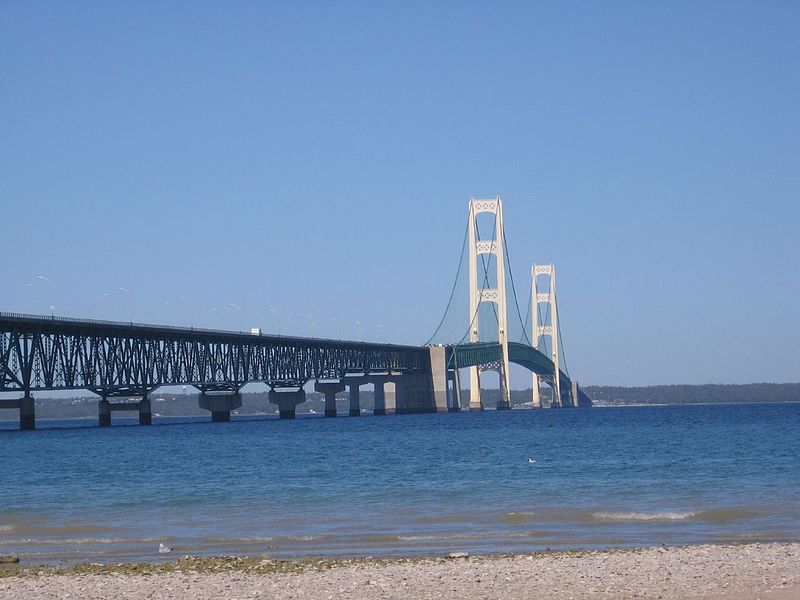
(489, 354)
(39, 353)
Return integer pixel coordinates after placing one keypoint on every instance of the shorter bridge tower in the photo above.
(540, 330)
(479, 292)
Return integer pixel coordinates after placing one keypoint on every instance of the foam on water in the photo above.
(634, 516)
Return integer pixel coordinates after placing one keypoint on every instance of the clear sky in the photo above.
(306, 167)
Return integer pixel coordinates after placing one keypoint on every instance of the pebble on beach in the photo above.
(739, 572)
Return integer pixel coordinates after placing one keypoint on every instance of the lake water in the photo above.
(412, 484)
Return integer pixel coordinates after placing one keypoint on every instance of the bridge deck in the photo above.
(46, 353)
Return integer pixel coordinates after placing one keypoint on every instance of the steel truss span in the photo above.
(43, 353)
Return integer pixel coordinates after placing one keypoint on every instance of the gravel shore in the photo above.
(766, 571)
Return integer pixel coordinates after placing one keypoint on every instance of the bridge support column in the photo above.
(355, 399)
(504, 403)
(145, 412)
(220, 404)
(475, 401)
(417, 394)
(380, 399)
(105, 408)
(558, 397)
(27, 413)
(287, 402)
(330, 389)
(536, 400)
(390, 397)
(438, 381)
(505, 397)
(575, 395)
(455, 391)
(401, 395)
(104, 413)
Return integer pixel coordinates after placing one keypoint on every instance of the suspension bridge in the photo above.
(125, 363)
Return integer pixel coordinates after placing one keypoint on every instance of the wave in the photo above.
(714, 515)
(78, 541)
(637, 516)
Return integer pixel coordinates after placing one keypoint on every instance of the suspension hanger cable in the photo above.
(485, 283)
(527, 318)
(455, 284)
(561, 342)
(513, 287)
(543, 317)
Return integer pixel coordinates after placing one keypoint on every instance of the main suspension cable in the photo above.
(527, 318)
(513, 287)
(455, 284)
(561, 341)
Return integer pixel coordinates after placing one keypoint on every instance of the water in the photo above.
(414, 484)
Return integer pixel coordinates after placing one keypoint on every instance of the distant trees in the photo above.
(696, 394)
(184, 405)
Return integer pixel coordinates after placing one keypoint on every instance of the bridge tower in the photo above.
(479, 292)
(539, 330)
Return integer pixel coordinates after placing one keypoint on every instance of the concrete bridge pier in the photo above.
(330, 389)
(105, 408)
(380, 396)
(575, 395)
(287, 401)
(453, 391)
(390, 396)
(355, 399)
(145, 411)
(27, 411)
(416, 395)
(401, 395)
(439, 380)
(536, 400)
(220, 404)
(104, 412)
(475, 400)
(557, 400)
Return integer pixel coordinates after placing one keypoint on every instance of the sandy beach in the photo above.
(765, 571)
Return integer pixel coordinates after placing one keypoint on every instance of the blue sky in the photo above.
(307, 166)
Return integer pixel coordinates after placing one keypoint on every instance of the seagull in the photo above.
(531, 461)
(162, 549)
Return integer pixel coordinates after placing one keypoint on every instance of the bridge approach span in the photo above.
(111, 358)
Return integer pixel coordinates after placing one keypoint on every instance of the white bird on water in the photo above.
(162, 549)
(531, 461)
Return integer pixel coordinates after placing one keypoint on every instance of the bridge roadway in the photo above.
(125, 360)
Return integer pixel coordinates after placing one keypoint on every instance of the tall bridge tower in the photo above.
(480, 292)
(540, 330)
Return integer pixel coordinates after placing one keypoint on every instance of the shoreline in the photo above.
(725, 572)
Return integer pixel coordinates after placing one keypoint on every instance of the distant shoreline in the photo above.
(270, 415)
